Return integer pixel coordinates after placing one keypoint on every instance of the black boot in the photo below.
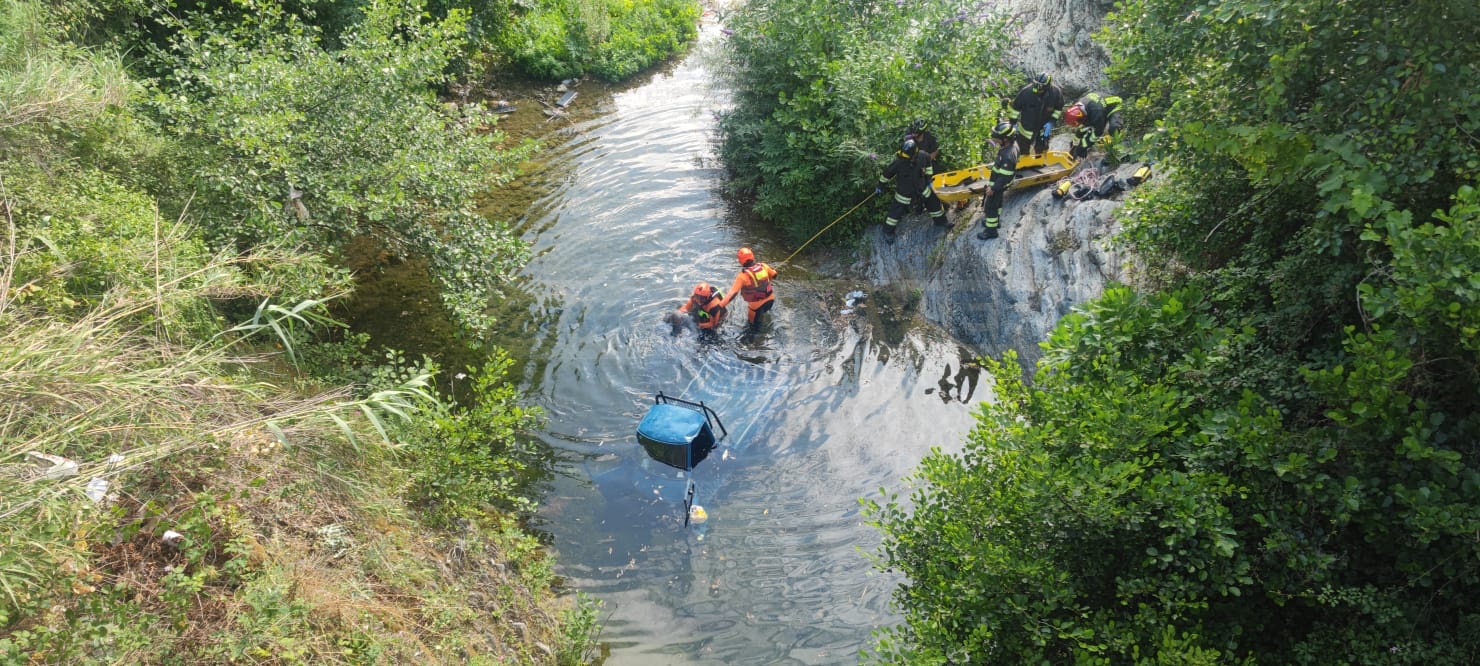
(890, 233)
(988, 233)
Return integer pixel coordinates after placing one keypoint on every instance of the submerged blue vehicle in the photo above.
(681, 434)
(677, 434)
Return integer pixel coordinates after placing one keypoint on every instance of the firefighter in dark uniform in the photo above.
(1034, 111)
(911, 171)
(924, 140)
(1003, 171)
(1094, 117)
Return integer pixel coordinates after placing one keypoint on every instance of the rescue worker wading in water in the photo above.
(754, 285)
(706, 307)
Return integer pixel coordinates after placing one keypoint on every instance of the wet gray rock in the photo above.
(1056, 36)
(1006, 293)
(1051, 255)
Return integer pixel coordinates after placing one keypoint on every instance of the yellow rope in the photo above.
(824, 229)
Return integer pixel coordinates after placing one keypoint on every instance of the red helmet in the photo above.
(745, 256)
(1074, 115)
(704, 290)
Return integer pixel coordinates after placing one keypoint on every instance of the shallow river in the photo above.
(822, 407)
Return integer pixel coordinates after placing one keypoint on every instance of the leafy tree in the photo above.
(613, 39)
(1273, 459)
(823, 92)
(285, 140)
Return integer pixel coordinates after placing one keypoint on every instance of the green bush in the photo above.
(283, 140)
(466, 459)
(295, 542)
(82, 234)
(823, 93)
(643, 33)
(1273, 459)
(1141, 485)
(613, 39)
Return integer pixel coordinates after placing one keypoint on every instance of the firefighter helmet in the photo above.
(745, 256)
(1042, 80)
(1074, 115)
(1002, 130)
(704, 290)
(909, 147)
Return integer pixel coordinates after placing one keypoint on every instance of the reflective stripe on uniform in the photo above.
(902, 198)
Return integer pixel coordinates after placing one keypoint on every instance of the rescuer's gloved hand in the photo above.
(879, 190)
(1047, 129)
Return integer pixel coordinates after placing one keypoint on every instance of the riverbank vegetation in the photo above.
(823, 93)
(1267, 453)
(610, 39)
(197, 465)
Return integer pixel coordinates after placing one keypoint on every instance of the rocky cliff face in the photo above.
(1052, 254)
(1055, 36)
(1006, 293)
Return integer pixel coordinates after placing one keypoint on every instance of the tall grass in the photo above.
(107, 392)
(42, 79)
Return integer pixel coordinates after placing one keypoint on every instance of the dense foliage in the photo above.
(1272, 457)
(282, 139)
(196, 468)
(612, 39)
(824, 91)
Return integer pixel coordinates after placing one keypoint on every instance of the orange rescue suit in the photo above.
(707, 313)
(754, 285)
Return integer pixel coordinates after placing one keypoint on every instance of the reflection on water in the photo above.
(822, 407)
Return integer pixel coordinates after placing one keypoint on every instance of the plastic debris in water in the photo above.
(697, 515)
(857, 295)
(846, 311)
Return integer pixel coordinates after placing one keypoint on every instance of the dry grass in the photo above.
(296, 546)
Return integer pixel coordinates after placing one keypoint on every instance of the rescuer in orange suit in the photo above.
(706, 307)
(754, 285)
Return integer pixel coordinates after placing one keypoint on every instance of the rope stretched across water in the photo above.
(824, 229)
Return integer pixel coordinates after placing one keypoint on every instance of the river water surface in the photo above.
(823, 407)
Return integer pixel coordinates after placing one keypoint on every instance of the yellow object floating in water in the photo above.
(697, 515)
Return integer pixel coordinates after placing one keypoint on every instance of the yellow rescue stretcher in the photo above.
(1032, 170)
